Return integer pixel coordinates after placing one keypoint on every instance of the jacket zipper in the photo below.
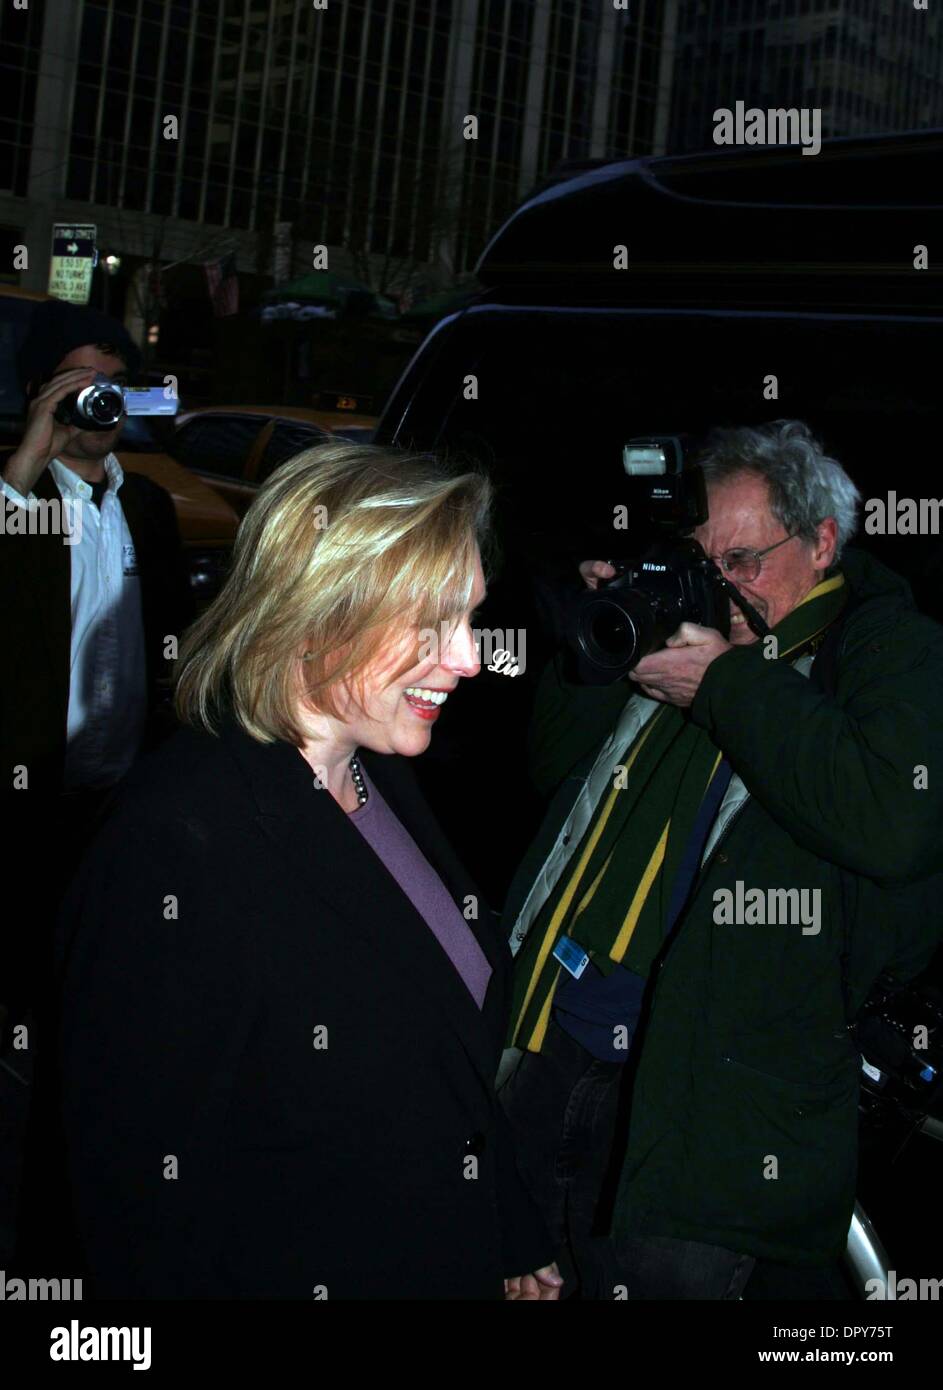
(723, 836)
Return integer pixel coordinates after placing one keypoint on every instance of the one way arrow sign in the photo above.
(73, 259)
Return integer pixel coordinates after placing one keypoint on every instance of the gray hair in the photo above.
(805, 485)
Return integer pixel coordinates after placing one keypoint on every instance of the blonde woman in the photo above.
(284, 1000)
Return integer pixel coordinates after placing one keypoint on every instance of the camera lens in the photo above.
(105, 405)
(615, 629)
(611, 632)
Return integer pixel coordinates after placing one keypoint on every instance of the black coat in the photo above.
(227, 911)
(37, 622)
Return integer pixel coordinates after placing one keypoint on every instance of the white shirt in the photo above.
(108, 680)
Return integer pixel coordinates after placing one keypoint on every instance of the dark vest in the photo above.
(35, 578)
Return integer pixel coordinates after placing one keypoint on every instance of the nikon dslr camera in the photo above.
(667, 578)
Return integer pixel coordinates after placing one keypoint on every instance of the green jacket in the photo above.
(743, 1126)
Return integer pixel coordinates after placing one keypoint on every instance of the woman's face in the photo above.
(397, 715)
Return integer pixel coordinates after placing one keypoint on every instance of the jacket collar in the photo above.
(330, 860)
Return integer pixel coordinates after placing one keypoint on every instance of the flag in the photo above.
(223, 283)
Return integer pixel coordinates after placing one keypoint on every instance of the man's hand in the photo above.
(44, 438)
(674, 674)
(543, 1284)
(595, 570)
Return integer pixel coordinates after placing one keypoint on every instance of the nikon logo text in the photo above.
(789, 907)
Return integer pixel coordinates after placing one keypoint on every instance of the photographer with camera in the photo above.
(87, 612)
(682, 1073)
(94, 580)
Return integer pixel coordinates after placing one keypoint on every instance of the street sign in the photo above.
(74, 257)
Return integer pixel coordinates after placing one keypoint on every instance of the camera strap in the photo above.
(755, 622)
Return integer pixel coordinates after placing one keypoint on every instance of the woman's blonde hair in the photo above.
(346, 546)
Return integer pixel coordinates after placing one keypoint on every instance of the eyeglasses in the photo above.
(745, 565)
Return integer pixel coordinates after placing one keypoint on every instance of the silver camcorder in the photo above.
(103, 403)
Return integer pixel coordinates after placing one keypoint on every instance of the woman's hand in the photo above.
(544, 1283)
(595, 570)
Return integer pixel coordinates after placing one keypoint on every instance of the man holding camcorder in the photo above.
(739, 843)
(94, 581)
(87, 610)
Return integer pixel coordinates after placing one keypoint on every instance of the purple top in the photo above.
(392, 843)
